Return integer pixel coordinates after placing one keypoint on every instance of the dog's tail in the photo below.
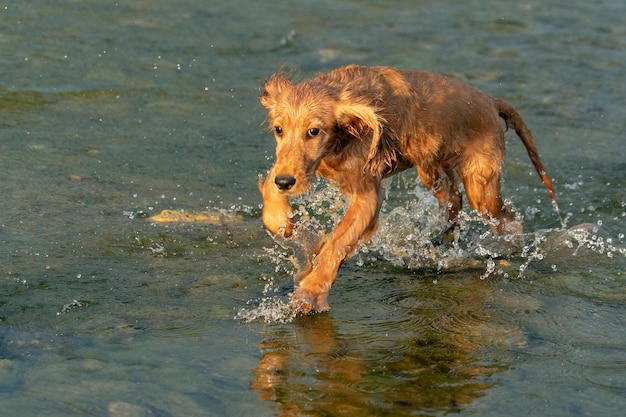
(513, 119)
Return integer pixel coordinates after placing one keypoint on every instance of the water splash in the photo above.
(72, 305)
(408, 238)
(272, 307)
(318, 212)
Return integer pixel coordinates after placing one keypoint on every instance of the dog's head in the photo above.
(311, 121)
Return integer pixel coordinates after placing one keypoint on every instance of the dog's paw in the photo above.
(513, 228)
(309, 303)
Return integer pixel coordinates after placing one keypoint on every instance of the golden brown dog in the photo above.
(357, 125)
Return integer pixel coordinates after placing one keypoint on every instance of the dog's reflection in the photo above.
(310, 363)
(425, 359)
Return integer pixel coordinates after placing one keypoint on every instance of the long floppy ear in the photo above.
(359, 120)
(272, 88)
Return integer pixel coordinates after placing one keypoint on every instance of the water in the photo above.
(112, 113)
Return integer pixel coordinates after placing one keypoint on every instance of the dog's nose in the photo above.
(284, 183)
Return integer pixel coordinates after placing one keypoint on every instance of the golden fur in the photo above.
(357, 125)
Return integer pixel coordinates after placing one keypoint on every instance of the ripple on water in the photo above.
(601, 365)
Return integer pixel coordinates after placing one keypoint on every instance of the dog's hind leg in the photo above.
(443, 185)
(482, 186)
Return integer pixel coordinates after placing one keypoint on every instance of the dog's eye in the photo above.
(313, 132)
(278, 130)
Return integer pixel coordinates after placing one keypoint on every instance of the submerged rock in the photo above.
(124, 409)
(209, 217)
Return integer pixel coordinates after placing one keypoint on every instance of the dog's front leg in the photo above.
(277, 214)
(358, 226)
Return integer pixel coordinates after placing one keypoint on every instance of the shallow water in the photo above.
(111, 113)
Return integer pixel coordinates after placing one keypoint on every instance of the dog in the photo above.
(356, 126)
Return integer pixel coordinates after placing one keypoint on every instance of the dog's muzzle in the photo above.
(284, 183)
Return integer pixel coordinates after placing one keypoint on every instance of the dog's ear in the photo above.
(272, 88)
(361, 120)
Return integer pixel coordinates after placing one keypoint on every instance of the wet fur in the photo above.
(356, 126)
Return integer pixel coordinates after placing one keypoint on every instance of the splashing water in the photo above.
(407, 238)
(318, 211)
(272, 307)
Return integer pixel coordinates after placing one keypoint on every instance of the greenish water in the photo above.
(112, 112)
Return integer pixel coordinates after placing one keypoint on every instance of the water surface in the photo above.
(112, 112)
